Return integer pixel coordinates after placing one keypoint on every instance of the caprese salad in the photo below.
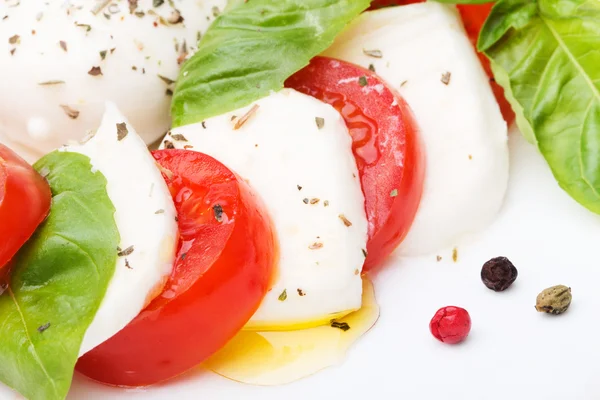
(307, 141)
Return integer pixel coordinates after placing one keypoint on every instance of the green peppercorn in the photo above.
(554, 300)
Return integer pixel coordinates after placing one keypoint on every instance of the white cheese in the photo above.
(464, 135)
(129, 49)
(145, 216)
(308, 179)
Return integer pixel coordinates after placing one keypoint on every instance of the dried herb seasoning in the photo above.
(340, 325)
(320, 122)
(218, 210)
(122, 131)
(241, 121)
(166, 80)
(49, 83)
(345, 220)
(71, 113)
(283, 295)
(99, 6)
(95, 71)
(446, 78)
(175, 18)
(124, 252)
(133, 5)
(84, 26)
(373, 53)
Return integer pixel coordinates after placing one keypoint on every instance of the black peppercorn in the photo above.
(498, 274)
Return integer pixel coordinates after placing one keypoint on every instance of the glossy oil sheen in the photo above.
(277, 358)
(386, 147)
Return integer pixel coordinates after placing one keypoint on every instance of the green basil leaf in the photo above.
(251, 49)
(546, 55)
(58, 280)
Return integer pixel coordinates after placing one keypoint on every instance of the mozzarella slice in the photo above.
(427, 56)
(51, 50)
(308, 179)
(145, 216)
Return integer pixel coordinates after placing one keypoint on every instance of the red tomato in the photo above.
(222, 272)
(24, 202)
(385, 144)
(473, 16)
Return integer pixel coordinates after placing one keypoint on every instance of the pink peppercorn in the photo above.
(450, 324)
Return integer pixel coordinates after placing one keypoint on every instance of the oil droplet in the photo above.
(280, 357)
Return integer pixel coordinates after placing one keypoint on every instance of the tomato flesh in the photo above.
(25, 199)
(222, 272)
(473, 17)
(385, 144)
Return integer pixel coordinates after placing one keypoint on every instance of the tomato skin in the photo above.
(382, 127)
(221, 274)
(473, 17)
(25, 199)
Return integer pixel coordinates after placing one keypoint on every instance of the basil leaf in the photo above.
(545, 54)
(58, 280)
(251, 49)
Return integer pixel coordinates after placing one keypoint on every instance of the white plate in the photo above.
(513, 352)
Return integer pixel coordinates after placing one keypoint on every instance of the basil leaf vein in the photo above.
(58, 280)
(251, 49)
(546, 55)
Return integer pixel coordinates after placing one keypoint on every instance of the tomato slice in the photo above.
(385, 144)
(473, 16)
(222, 272)
(24, 202)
